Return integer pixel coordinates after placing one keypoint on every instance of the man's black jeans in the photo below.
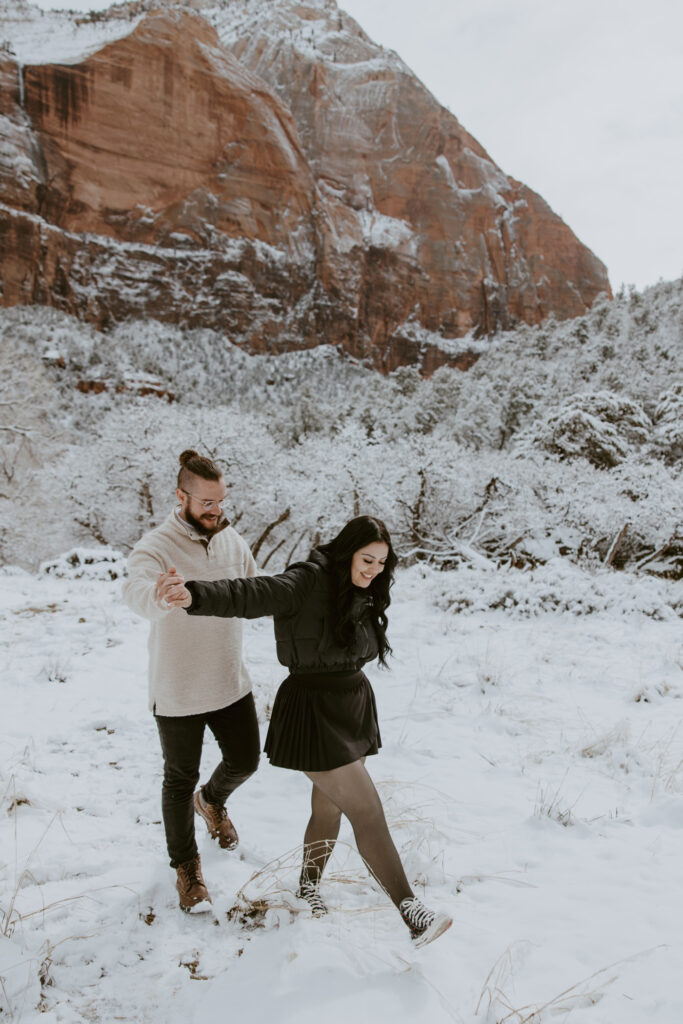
(237, 735)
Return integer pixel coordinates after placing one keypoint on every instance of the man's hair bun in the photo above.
(197, 465)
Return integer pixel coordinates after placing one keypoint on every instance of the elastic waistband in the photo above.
(326, 680)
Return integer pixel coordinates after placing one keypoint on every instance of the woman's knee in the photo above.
(325, 817)
(364, 810)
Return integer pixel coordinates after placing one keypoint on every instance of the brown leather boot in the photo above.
(217, 821)
(192, 892)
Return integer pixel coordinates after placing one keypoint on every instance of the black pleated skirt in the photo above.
(322, 721)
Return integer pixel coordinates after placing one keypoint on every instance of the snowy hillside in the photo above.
(531, 772)
(561, 440)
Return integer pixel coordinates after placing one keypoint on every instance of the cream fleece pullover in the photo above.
(195, 663)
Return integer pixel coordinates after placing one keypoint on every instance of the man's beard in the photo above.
(205, 531)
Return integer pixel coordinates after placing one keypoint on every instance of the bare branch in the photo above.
(256, 546)
(15, 430)
(609, 557)
(92, 524)
(272, 552)
(295, 545)
(651, 557)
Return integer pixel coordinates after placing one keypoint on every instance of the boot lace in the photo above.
(192, 872)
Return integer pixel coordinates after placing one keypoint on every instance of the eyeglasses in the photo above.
(206, 502)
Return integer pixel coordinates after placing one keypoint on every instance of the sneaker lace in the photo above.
(416, 914)
(309, 892)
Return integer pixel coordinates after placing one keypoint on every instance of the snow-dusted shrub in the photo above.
(558, 586)
(601, 427)
(668, 417)
(91, 563)
(533, 508)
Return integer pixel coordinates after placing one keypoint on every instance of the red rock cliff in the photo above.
(276, 176)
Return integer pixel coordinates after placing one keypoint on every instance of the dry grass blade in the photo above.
(564, 1001)
(501, 968)
(10, 917)
(67, 899)
(272, 893)
(591, 977)
(499, 877)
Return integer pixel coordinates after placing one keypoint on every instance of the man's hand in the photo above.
(170, 590)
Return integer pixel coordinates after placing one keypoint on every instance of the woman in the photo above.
(330, 619)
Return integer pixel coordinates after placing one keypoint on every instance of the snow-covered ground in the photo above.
(532, 772)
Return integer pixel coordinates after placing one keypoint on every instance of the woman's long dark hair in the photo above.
(358, 533)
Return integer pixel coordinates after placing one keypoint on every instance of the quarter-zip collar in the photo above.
(190, 531)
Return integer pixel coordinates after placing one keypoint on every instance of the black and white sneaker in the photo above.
(310, 892)
(425, 925)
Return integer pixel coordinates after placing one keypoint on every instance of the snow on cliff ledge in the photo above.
(35, 36)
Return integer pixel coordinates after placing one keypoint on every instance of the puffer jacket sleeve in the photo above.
(279, 595)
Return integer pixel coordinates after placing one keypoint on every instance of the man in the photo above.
(196, 674)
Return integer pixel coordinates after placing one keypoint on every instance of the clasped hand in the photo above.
(170, 590)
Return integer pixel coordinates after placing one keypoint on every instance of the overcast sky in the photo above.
(582, 100)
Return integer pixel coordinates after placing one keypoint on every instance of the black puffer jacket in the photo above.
(301, 601)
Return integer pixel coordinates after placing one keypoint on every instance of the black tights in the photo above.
(349, 790)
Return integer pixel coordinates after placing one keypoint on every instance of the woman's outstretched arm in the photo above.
(241, 598)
